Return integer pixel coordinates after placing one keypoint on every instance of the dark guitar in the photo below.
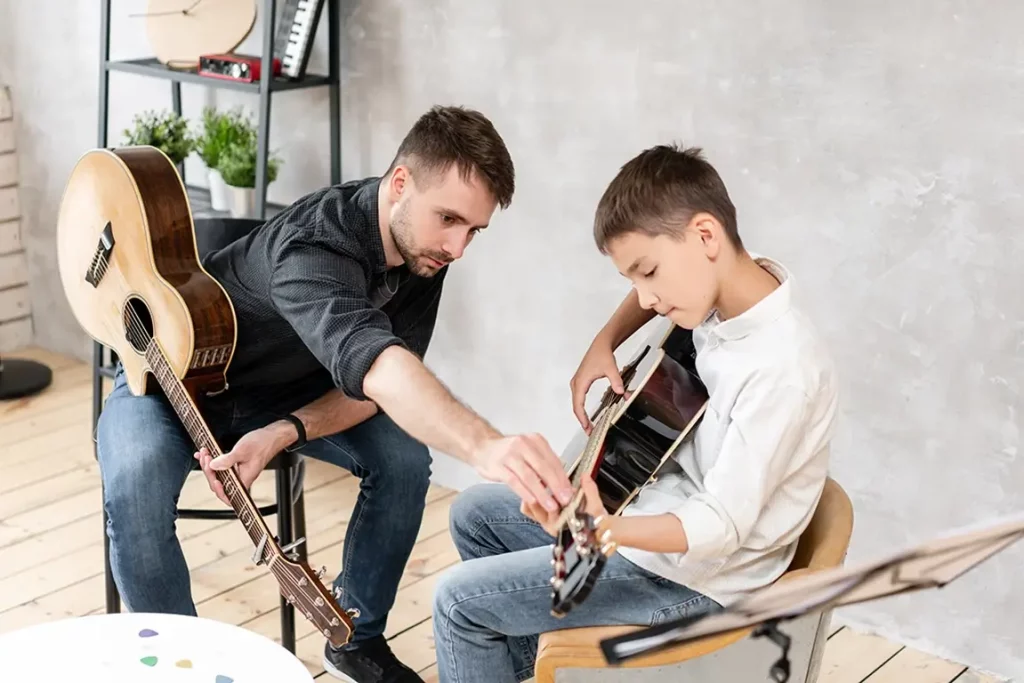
(632, 437)
(130, 270)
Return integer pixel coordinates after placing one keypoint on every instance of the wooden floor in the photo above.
(51, 552)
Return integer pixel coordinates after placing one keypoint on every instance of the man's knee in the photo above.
(402, 461)
(143, 463)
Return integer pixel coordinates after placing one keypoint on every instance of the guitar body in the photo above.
(665, 405)
(632, 438)
(127, 208)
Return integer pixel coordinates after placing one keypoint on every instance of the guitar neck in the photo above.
(188, 413)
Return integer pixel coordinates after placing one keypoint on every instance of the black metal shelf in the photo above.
(152, 67)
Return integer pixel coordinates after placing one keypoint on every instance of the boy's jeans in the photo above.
(490, 610)
(145, 455)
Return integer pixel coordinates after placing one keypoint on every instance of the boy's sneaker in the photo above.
(371, 662)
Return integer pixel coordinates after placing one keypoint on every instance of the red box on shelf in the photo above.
(234, 67)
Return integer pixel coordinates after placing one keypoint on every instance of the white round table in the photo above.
(145, 648)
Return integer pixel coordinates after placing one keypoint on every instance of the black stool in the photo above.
(289, 468)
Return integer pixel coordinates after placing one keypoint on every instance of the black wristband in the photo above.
(301, 441)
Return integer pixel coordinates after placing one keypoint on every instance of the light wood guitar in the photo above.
(131, 273)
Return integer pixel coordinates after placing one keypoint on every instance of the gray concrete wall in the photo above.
(874, 147)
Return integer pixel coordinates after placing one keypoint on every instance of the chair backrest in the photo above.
(217, 233)
(826, 539)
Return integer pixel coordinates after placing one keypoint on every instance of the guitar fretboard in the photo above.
(196, 426)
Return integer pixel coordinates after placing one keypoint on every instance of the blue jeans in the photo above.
(490, 610)
(145, 455)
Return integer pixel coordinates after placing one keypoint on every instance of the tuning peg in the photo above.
(320, 572)
(556, 582)
(327, 633)
(319, 602)
(353, 612)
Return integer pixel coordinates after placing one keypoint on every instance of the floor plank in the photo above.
(913, 666)
(850, 657)
(51, 546)
(971, 676)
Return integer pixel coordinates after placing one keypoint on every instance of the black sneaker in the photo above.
(370, 662)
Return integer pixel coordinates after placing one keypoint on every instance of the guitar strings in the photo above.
(137, 327)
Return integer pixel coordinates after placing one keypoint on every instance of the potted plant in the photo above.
(238, 168)
(218, 131)
(166, 131)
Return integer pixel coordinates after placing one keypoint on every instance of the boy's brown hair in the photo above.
(456, 135)
(658, 191)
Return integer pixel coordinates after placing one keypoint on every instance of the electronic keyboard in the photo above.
(293, 39)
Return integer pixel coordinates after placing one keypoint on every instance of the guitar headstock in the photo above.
(578, 556)
(303, 589)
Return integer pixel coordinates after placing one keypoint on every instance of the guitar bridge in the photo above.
(101, 257)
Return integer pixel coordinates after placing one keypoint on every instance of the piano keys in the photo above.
(293, 37)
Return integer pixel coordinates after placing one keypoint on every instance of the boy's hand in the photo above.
(598, 362)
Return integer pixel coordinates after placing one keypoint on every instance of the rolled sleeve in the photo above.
(323, 296)
(766, 427)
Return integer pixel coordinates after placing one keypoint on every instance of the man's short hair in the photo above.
(657, 193)
(456, 135)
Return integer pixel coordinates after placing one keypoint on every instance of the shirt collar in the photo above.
(365, 200)
(763, 312)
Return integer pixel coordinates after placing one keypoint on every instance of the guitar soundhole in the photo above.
(138, 324)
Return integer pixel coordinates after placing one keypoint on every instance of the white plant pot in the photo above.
(220, 197)
(243, 202)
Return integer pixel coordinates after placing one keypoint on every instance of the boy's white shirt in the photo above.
(746, 485)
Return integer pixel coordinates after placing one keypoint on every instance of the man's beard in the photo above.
(401, 233)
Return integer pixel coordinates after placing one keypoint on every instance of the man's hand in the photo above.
(549, 520)
(528, 466)
(251, 454)
(598, 362)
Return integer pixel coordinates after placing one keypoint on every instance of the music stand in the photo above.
(20, 378)
(932, 564)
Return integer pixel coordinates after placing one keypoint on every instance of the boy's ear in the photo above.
(709, 231)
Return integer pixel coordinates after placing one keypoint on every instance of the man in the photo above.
(335, 299)
(726, 512)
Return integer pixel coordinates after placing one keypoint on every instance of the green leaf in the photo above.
(166, 131)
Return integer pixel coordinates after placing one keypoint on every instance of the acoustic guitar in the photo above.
(130, 270)
(632, 436)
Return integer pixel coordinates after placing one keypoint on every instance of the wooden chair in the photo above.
(573, 654)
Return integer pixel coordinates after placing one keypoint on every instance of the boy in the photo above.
(727, 510)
